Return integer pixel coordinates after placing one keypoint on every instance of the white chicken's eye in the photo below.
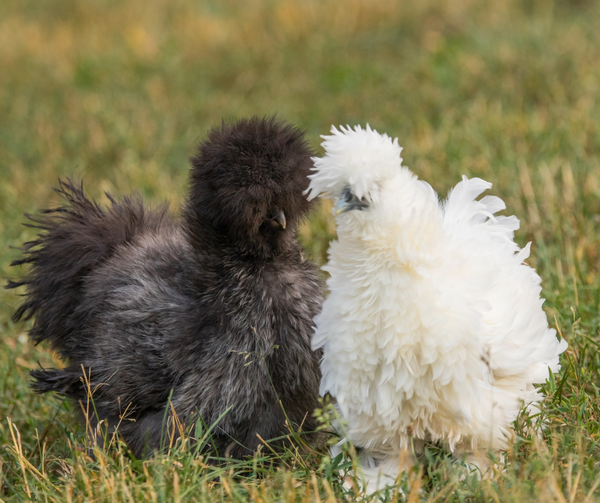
(347, 195)
(348, 201)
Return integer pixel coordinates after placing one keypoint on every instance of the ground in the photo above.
(119, 93)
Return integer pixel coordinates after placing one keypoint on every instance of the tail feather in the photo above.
(462, 211)
(73, 240)
(462, 205)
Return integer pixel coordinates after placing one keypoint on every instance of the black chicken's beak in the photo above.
(280, 219)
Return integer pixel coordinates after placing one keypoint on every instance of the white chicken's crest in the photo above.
(357, 157)
(434, 329)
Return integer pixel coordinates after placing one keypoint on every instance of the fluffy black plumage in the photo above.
(150, 304)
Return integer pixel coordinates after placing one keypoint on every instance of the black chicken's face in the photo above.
(248, 181)
(261, 217)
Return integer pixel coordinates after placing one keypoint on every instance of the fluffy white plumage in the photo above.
(434, 327)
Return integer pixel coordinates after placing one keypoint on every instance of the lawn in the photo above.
(118, 94)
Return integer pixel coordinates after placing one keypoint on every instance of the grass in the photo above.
(119, 93)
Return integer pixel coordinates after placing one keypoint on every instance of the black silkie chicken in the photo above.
(215, 307)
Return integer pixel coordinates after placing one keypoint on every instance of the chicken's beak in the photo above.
(280, 219)
(342, 206)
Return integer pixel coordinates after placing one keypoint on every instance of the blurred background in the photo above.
(118, 94)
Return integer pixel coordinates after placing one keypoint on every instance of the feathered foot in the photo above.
(476, 463)
(375, 471)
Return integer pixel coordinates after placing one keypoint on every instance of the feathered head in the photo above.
(356, 161)
(248, 182)
(361, 170)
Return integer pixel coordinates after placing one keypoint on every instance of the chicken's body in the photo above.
(433, 330)
(208, 315)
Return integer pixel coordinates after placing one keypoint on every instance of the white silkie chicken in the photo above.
(434, 329)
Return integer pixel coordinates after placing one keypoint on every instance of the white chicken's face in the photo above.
(357, 217)
(347, 201)
(374, 196)
(352, 212)
(371, 217)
